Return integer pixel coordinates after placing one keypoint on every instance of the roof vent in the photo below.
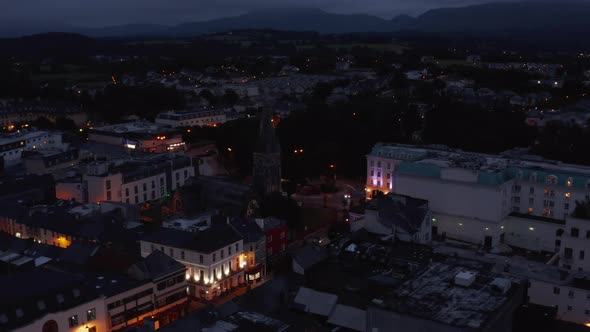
(465, 278)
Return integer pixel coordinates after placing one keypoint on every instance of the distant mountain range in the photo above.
(523, 17)
(500, 19)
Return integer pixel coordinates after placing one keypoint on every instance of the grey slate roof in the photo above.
(215, 237)
(157, 264)
(405, 212)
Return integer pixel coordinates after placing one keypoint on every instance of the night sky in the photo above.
(98, 13)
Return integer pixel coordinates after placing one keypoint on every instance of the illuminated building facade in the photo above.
(142, 136)
(213, 255)
(479, 198)
(211, 118)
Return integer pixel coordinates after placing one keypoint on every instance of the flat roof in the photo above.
(432, 294)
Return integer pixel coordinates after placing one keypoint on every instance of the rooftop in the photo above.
(157, 264)
(248, 228)
(433, 160)
(434, 295)
(217, 236)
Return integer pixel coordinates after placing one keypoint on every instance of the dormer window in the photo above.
(19, 312)
(60, 298)
(76, 292)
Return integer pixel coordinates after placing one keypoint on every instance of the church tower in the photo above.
(267, 158)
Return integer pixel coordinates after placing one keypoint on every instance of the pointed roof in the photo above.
(158, 264)
(267, 139)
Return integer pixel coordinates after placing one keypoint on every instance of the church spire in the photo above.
(267, 158)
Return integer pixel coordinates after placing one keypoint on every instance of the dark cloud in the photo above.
(108, 12)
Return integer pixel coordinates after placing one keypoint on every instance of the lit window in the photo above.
(91, 314)
(73, 321)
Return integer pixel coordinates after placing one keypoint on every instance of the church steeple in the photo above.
(267, 158)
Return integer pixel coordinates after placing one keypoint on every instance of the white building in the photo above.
(134, 182)
(13, 145)
(201, 118)
(478, 198)
(141, 135)
(211, 252)
(397, 217)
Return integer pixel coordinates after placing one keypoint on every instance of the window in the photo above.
(586, 312)
(372, 173)
(516, 188)
(516, 199)
(200, 259)
(388, 165)
(570, 293)
(182, 254)
(108, 184)
(171, 251)
(135, 189)
(19, 312)
(516, 209)
(109, 197)
(588, 234)
(568, 252)
(566, 206)
(569, 308)
(152, 247)
(378, 164)
(214, 257)
(551, 179)
(126, 191)
(73, 321)
(269, 251)
(185, 174)
(91, 314)
(581, 255)
(222, 253)
(144, 186)
(237, 247)
(531, 201)
(229, 250)
(575, 232)
(532, 190)
(378, 174)
(556, 290)
(177, 176)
